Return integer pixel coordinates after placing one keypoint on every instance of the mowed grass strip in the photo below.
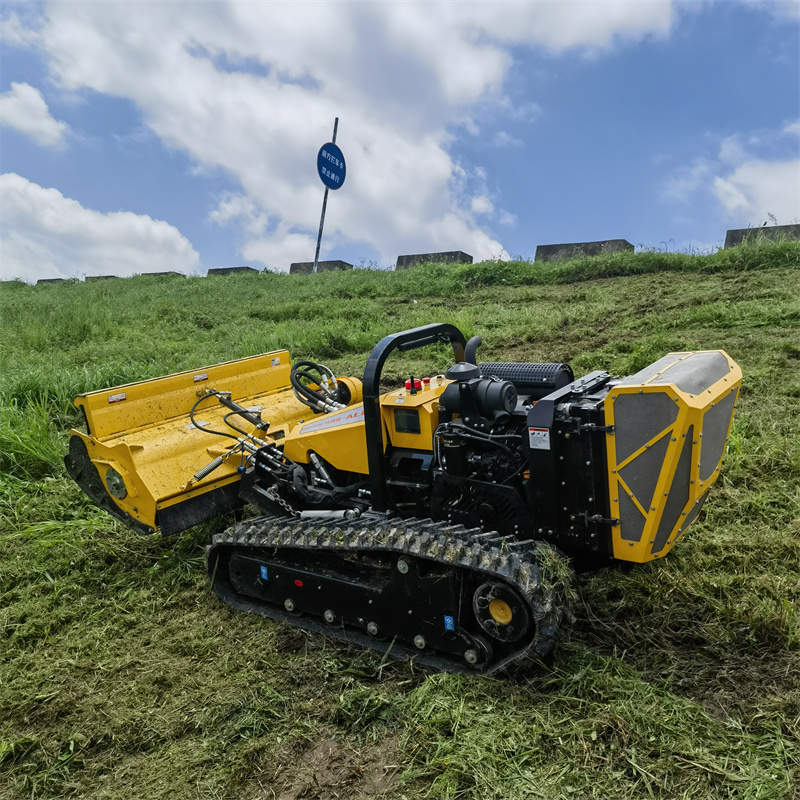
(121, 675)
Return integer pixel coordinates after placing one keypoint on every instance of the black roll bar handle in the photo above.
(373, 424)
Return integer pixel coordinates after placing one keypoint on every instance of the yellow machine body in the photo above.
(409, 421)
(670, 424)
(428, 520)
(143, 456)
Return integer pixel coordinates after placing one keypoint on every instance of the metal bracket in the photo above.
(596, 518)
(591, 427)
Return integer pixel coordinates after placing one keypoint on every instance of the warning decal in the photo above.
(539, 438)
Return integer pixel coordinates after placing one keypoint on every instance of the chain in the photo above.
(272, 494)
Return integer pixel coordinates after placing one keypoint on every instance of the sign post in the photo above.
(332, 171)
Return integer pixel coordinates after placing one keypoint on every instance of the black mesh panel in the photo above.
(638, 418)
(715, 430)
(642, 474)
(631, 521)
(678, 494)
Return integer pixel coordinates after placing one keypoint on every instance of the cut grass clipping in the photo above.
(122, 676)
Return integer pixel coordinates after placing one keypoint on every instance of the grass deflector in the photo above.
(432, 521)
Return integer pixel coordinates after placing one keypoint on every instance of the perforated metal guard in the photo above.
(640, 417)
(530, 378)
(667, 427)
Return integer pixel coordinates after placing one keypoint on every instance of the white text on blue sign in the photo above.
(332, 159)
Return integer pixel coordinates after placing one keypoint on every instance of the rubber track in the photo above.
(472, 550)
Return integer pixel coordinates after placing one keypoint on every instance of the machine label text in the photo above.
(346, 417)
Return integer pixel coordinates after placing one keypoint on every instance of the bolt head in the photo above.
(329, 616)
(419, 642)
(402, 565)
(372, 628)
(288, 604)
(470, 656)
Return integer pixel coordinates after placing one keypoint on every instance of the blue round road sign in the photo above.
(331, 166)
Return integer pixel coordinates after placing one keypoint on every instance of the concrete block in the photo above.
(307, 267)
(101, 277)
(773, 233)
(566, 252)
(162, 274)
(50, 280)
(230, 270)
(450, 257)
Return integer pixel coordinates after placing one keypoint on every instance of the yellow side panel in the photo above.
(671, 422)
(340, 439)
(426, 405)
(337, 437)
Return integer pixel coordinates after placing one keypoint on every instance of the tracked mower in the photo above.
(439, 521)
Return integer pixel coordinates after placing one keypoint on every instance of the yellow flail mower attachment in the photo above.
(148, 459)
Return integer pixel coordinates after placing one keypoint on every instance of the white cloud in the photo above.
(16, 33)
(685, 181)
(236, 207)
(252, 88)
(481, 205)
(731, 150)
(527, 112)
(282, 249)
(507, 218)
(23, 108)
(47, 235)
(757, 189)
(781, 8)
(504, 139)
(754, 175)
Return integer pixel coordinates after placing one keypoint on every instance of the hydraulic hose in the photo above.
(321, 399)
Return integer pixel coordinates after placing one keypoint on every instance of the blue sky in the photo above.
(141, 137)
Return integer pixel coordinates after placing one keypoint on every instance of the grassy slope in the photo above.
(121, 675)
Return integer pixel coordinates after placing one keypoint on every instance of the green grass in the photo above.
(122, 676)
